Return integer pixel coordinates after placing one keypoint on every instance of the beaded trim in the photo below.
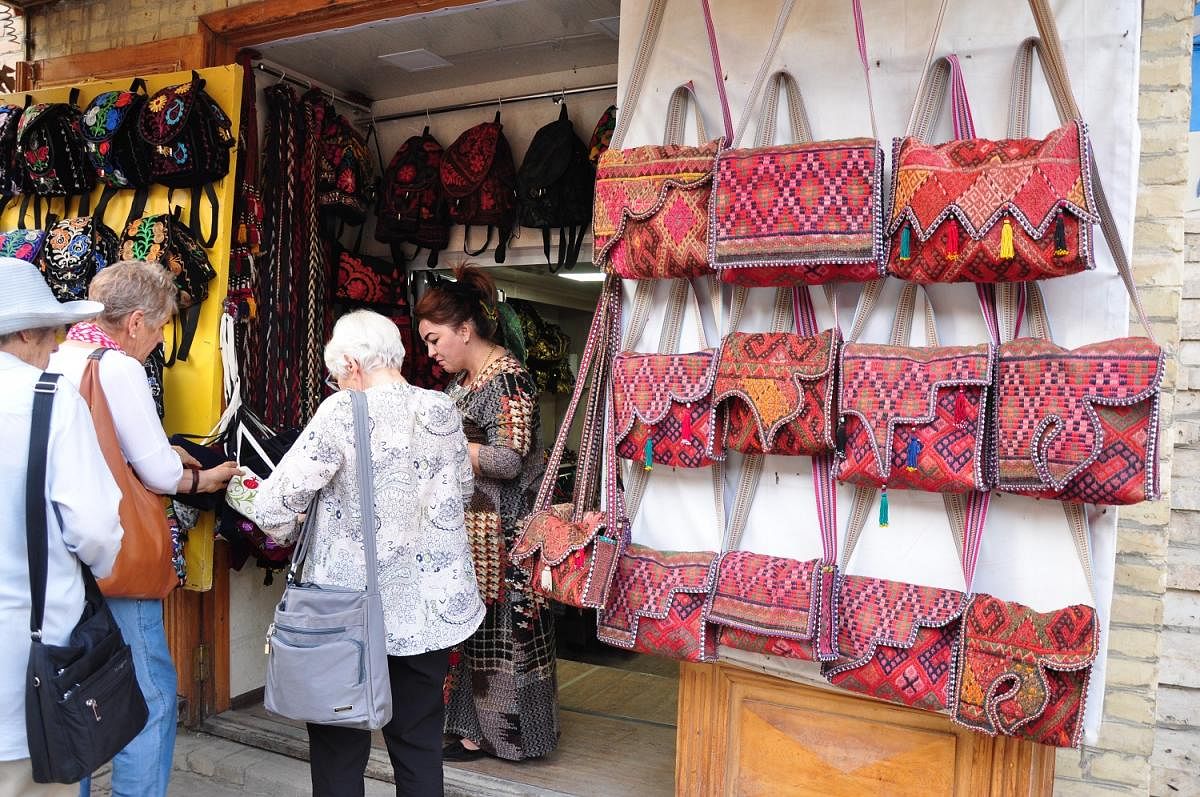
(700, 390)
(877, 255)
(1085, 214)
(1152, 393)
(883, 464)
(528, 546)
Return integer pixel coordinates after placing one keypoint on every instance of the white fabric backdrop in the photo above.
(1027, 553)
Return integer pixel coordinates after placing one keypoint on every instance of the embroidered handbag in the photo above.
(11, 170)
(22, 244)
(412, 206)
(602, 134)
(650, 215)
(656, 604)
(1025, 673)
(978, 210)
(371, 280)
(913, 417)
(774, 390)
(479, 181)
(567, 549)
(119, 155)
(189, 134)
(343, 171)
(75, 251)
(662, 403)
(50, 142)
(806, 212)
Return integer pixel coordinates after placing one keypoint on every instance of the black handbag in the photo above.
(82, 700)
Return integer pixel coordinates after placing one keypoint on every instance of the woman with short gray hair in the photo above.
(422, 475)
(139, 300)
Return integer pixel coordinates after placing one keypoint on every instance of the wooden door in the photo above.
(745, 733)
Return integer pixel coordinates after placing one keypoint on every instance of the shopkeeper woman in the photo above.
(503, 693)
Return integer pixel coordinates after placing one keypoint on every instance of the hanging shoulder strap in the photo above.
(35, 500)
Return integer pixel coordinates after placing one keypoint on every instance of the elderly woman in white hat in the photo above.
(81, 497)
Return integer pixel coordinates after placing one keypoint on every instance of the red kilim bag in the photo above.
(978, 210)
(807, 212)
(650, 215)
(914, 417)
(566, 548)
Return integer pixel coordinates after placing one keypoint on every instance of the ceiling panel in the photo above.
(485, 42)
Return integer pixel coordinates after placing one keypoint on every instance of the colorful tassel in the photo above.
(686, 426)
(910, 456)
(906, 243)
(883, 509)
(648, 456)
(1006, 241)
(1060, 237)
(962, 408)
(951, 240)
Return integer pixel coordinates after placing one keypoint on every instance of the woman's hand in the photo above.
(187, 459)
(215, 479)
(473, 453)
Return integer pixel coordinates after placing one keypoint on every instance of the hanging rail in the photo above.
(499, 101)
(307, 84)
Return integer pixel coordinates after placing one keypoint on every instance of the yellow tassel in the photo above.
(1006, 241)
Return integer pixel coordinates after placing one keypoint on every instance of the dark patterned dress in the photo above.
(504, 691)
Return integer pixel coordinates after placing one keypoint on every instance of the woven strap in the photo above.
(641, 62)
(797, 115)
(940, 74)
(760, 78)
(676, 111)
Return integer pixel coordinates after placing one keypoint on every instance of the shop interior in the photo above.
(446, 71)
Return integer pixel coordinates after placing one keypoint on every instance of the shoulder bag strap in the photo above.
(35, 501)
(366, 485)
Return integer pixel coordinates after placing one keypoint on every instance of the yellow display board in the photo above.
(192, 389)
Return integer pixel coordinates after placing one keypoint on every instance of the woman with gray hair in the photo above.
(139, 300)
(422, 476)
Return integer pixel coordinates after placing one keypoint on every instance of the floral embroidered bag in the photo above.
(567, 549)
(119, 155)
(806, 212)
(914, 418)
(11, 171)
(344, 179)
(412, 207)
(50, 143)
(650, 215)
(774, 391)
(479, 181)
(22, 244)
(982, 210)
(76, 250)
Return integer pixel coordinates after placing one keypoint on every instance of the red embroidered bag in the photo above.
(807, 212)
(567, 548)
(774, 391)
(914, 417)
(479, 181)
(412, 208)
(979, 210)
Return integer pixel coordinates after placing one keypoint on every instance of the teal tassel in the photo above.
(906, 243)
(883, 509)
(910, 458)
(648, 463)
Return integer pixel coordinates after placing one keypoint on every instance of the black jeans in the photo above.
(338, 756)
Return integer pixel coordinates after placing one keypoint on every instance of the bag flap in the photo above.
(875, 611)
(979, 181)
(468, 160)
(768, 370)
(416, 165)
(548, 156)
(884, 385)
(38, 112)
(553, 533)
(766, 595)
(166, 112)
(1059, 432)
(634, 183)
(1065, 639)
(22, 244)
(647, 581)
(106, 114)
(644, 385)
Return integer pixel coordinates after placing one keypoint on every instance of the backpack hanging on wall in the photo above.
(412, 206)
(50, 143)
(10, 166)
(76, 249)
(480, 180)
(344, 172)
(119, 155)
(554, 188)
(190, 138)
(166, 240)
(602, 134)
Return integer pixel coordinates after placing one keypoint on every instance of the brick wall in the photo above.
(1150, 740)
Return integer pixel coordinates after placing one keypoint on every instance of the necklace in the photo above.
(483, 368)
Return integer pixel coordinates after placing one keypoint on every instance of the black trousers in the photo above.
(338, 756)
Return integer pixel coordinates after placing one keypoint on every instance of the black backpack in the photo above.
(120, 156)
(11, 173)
(76, 249)
(50, 143)
(412, 208)
(555, 187)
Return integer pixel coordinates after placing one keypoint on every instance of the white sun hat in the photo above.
(26, 301)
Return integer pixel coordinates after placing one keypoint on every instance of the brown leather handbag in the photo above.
(144, 567)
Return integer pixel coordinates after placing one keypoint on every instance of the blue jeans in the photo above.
(143, 768)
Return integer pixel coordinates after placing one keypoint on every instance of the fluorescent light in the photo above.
(584, 276)
(415, 60)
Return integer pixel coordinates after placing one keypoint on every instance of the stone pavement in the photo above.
(208, 766)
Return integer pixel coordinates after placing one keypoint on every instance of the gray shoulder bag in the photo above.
(328, 656)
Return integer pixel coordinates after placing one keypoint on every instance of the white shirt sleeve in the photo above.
(80, 487)
(139, 430)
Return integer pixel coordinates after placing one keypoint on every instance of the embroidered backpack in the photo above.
(480, 182)
(602, 134)
(343, 172)
(412, 206)
(50, 142)
(76, 249)
(554, 188)
(11, 173)
(119, 155)
(22, 244)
